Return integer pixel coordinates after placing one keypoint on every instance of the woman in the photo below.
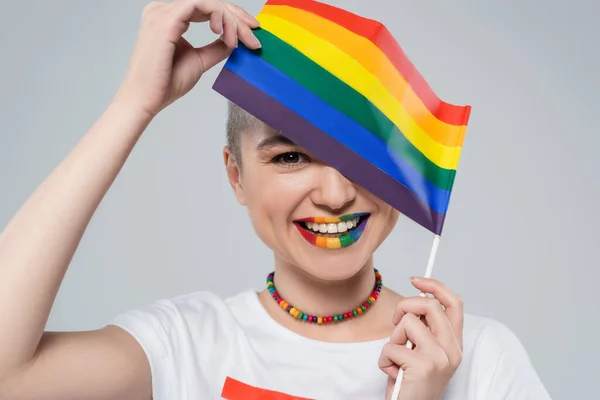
(324, 327)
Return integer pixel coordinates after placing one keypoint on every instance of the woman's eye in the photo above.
(290, 158)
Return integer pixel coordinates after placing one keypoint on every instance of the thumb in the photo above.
(212, 54)
(389, 390)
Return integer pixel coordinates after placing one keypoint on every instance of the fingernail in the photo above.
(415, 279)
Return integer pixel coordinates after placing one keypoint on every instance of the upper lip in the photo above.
(331, 219)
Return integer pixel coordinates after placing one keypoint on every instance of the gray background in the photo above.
(521, 239)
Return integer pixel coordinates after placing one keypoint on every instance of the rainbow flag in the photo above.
(340, 86)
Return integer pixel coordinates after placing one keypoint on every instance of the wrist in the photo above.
(126, 118)
(131, 106)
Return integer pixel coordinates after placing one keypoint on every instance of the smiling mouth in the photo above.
(333, 232)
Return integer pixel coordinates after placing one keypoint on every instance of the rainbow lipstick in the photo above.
(317, 237)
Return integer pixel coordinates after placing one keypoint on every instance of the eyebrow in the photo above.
(273, 141)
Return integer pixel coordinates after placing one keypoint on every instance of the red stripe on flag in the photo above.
(236, 390)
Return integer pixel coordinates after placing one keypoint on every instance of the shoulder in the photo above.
(165, 325)
(492, 343)
(488, 336)
(495, 359)
(181, 336)
(193, 308)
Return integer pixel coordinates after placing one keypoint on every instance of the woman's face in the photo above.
(310, 215)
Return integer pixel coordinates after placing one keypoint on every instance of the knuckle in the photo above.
(387, 348)
(384, 364)
(196, 3)
(459, 300)
(229, 12)
(399, 311)
(434, 304)
(442, 362)
(435, 281)
(399, 306)
(456, 358)
(236, 8)
(401, 303)
(456, 363)
(152, 13)
(151, 7)
(408, 318)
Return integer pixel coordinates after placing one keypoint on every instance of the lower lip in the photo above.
(333, 243)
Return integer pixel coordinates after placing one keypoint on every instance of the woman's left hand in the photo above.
(436, 333)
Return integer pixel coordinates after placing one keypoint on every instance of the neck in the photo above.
(324, 298)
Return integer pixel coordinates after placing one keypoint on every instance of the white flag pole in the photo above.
(428, 272)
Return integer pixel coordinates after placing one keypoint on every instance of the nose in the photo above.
(334, 191)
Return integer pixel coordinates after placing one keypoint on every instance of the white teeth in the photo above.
(352, 223)
(338, 227)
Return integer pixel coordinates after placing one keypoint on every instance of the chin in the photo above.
(333, 264)
(333, 274)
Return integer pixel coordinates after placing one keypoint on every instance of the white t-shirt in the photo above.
(203, 347)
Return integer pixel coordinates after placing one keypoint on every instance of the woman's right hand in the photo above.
(164, 66)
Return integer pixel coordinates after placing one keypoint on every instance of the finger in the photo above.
(230, 28)
(441, 330)
(200, 11)
(212, 54)
(429, 308)
(393, 357)
(431, 314)
(243, 15)
(429, 345)
(247, 37)
(450, 300)
(217, 21)
(411, 328)
(389, 391)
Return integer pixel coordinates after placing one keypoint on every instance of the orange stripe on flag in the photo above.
(236, 390)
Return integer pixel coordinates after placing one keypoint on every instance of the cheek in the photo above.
(391, 218)
(275, 196)
(272, 203)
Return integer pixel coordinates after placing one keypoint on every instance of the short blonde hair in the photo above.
(238, 121)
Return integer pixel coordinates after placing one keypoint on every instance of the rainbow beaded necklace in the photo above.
(296, 313)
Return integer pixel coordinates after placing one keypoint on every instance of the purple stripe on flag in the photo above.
(324, 147)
